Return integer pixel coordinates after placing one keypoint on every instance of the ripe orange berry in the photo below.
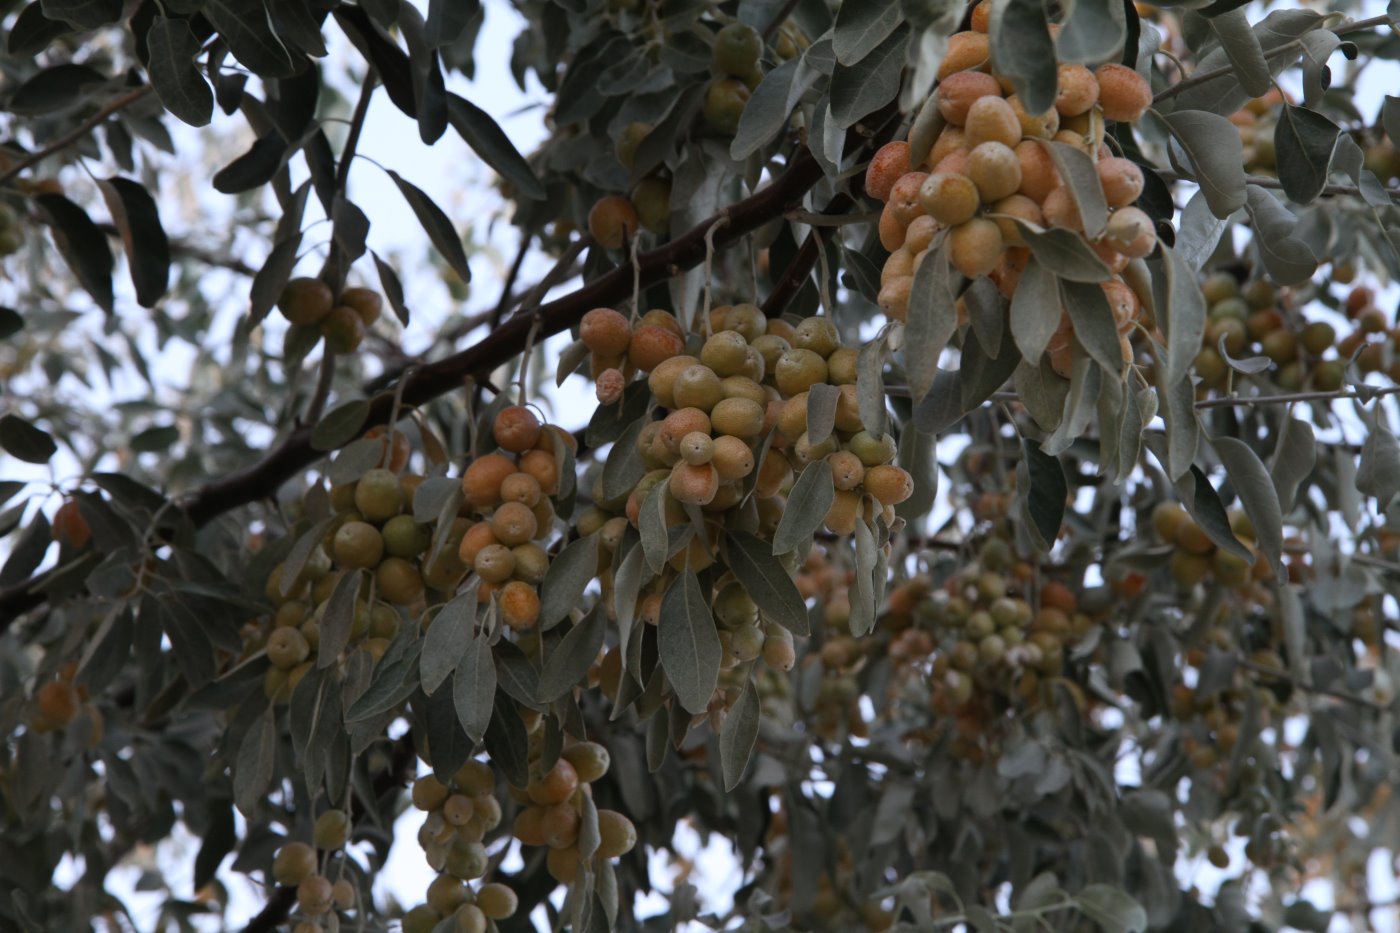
(520, 605)
(905, 204)
(1061, 210)
(618, 835)
(889, 484)
(513, 523)
(315, 895)
(891, 229)
(966, 50)
(949, 199)
(992, 119)
(613, 221)
(694, 485)
(651, 345)
(474, 539)
(732, 458)
(481, 481)
(1016, 206)
(555, 785)
(1078, 90)
(995, 169)
(975, 247)
(544, 468)
(1038, 173)
(306, 300)
(958, 92)
(605, 332)
(890, 163)
(69, 528)
(58, 703)
(560, 824)
(398, 455)
(1124, 95)
(1122, 180)
(1035, 125)
(365, 302)
(1131, 232)
(516, 428)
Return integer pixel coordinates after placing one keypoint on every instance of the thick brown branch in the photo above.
(443, 376)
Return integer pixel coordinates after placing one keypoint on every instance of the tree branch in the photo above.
(69, 138)
(295, 452)
(1185, 84)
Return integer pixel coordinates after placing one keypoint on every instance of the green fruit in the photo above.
(652, 199)
(404, 537)
(306, 300)
(737, 49)
(1219, 286)
(343, 330)
(332, 830)
(725, 100)
(627, 143)
(1318, 336)
(378, 495)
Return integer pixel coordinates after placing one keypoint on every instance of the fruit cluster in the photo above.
(1196, 557)
(1255, 319)
(991, 175)
(557, 801)
(460, 814)
(510, 492)
(298, 865)
(736, 53)
(343, 320)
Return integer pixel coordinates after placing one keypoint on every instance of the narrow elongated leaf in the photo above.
(652, 526)
(870, 382)
(23, 441)
(1293, 461)
(489, 141)
(1094, 326)
(763, 577)
(393, 288)
(1035, 310)
(570, 660)
(688, 643)
(349, 227)
(254, 168)
(1082, 179)
(244, 25)
(1112, 908)
(1287, 258)
(1045, 503)
(1257, 494)
(33, 32)
(932, 320)
(257, 760)
(474, 687)
(136, 218)
(861, 27)
(624, 466)
(807, 505)
(448, 19)
(85, 14)
(1242, 48)
(1065, 253)
(83, 246)
(1023, 51)
(1182, 313)
(767, 111)
(436, 224)
(1378, 473)
(568, 576)
(1212, 144)
(451, 629)
(338, 620)
(860, 89)
(1094, 32)
(273, 277)
(340, 426)
(737, 735)
(1304, 141)
(821, 411)
(182, 89)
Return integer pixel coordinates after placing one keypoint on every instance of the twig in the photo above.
(69, 138)
(1366, 395)
(786, 287)
(1201, 78)
(278, 906)
(357, 126)
(1286, 677)
(323, 388)
(1264, 181)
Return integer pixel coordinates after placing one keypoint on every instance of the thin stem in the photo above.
(779, 17)
(1264, 181)
(1201, 78)
(1366, 395)
(69, 138)
(357, 126)
(323, 387)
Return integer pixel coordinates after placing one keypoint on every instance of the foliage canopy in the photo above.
(980, 518)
